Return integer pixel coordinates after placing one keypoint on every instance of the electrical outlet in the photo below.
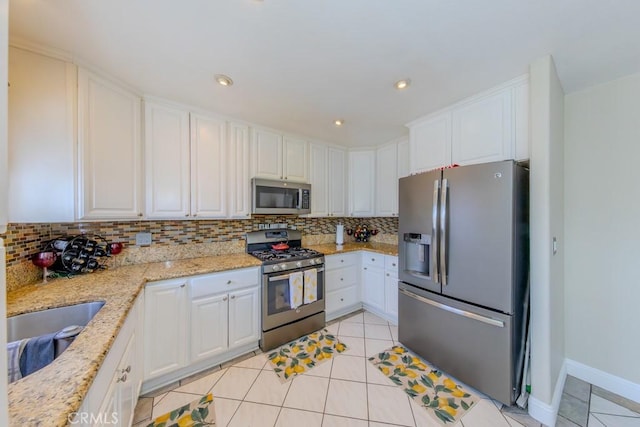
(143, 239)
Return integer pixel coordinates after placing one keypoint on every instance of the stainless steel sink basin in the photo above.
(51, 320)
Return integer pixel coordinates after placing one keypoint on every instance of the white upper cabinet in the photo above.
(238, 185)
(4, 175)
(487, 127)
(403, 158)
(362, 169)
(318, 178)
(275, 157)
(110, 161)
(430, 143)
(296, 158)
(327, 171)
(166, 161)
(387, 180)
(337, 181)
(482, 130)
(41, 138)
(208, 167)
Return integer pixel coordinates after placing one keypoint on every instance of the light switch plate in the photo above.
(143, 239)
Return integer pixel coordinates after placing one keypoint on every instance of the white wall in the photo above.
(41, 133)
(602, 178)
(546, 222)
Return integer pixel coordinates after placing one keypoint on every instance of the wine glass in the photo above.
(44, 260)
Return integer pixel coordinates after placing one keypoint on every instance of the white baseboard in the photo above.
(544, 412)
(605, 380)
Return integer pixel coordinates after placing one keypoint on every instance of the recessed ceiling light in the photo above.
(223, 80)
(338, 122)
(402, 84)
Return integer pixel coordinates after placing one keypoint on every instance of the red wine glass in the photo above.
(44, 260)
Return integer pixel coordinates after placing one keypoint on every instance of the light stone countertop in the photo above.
(49, 396)
(332, 248)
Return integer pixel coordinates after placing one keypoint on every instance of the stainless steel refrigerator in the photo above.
(463, 269)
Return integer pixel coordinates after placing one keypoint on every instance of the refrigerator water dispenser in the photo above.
(417, 250)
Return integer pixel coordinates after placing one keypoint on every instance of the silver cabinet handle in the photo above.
(127, 369)
(225, 298)
(342, 279)
(233, 297)
(341, 260)
(286, 276)
(470, 315)
(122, 379)
(183, 285)
(393, 264)
(373, 259)
(228, 282)
(433, 258)
(443, 232)
(387, 274)
(365, 268)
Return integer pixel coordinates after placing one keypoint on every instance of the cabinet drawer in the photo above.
(209, 284)
(373, 259)
(391, 263)
(342, 298)
(340, 278)
(340, 260)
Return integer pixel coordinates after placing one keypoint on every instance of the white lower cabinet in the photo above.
(112, 398)
(373, 281)
(342, 287)
(391, 288)
(221, 319)
(165, 322)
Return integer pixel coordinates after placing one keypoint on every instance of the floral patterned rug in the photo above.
(305, 353)
(445, 400)
(198, 413)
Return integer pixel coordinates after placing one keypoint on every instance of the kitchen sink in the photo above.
(51, 320)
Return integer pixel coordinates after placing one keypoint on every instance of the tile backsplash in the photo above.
(185, 239)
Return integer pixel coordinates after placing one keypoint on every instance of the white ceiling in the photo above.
(298, 64)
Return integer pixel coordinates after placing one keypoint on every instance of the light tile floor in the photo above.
(345, 391)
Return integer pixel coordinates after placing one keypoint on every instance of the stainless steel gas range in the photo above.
(282, 257)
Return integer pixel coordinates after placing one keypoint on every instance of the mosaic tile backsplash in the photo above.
(23, 240)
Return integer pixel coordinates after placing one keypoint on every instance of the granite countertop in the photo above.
(332, 248)
(49, 396)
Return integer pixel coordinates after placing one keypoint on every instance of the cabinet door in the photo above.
(403, 159)
(296, 160)
(521, 121)
(387, 181)
(110, 175)
(430, 143)
(4, 166)
(373, 287)
(165, 327)
(166, 152)
(482, 130)
(362, 166)
(208, 167)
(267, 154)
(209, 326)
(337, 182)
(318, 179)
(244, 317)
(41, 138)
(391, 295)
(109, 411)
(238, 185)
(127, 387)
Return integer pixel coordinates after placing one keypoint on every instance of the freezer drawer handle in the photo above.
(433, 268)
(443, 232)
(487, 320)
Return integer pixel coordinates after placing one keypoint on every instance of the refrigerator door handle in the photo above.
(470, 315)
(433, 257)
(443, 231)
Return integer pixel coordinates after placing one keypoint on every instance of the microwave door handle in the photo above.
(299, 199)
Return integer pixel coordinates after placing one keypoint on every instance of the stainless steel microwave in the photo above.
(280, 197)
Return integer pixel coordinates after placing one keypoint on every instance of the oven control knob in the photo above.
(275, 267)
(283, 266)
(312, 261)
(319, 261)
(298, 264)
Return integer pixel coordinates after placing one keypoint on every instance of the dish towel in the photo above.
(37, 353)
(295, 289)
(310, 285)
(14, 351)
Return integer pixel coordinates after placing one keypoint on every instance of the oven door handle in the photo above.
(286, 276)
